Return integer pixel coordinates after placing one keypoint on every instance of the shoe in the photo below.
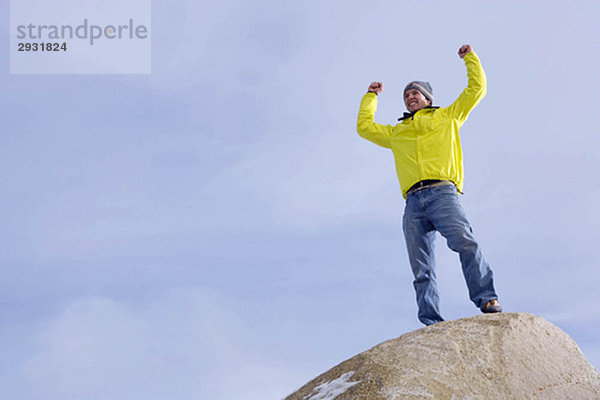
(492, 306)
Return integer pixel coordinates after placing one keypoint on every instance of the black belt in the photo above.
(425, 183)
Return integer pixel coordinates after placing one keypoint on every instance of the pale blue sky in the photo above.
(218, 230)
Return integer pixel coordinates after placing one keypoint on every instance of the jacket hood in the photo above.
(409, 114)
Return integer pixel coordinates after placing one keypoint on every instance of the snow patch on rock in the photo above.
(331, 390)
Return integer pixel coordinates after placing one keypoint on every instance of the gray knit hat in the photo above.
(423, 87)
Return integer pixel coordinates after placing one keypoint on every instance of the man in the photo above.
(428, 156)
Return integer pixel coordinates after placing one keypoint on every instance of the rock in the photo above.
(495, 356)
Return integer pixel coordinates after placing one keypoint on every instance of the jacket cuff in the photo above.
(469, 54)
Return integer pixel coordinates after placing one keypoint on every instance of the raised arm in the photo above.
(476, 86)
(366, 126)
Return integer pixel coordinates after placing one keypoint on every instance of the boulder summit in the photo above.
(496, 356)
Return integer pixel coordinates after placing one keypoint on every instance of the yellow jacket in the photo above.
(427, 145)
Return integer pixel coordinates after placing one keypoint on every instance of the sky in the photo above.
(218, 230)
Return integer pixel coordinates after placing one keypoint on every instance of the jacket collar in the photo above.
(410, 115)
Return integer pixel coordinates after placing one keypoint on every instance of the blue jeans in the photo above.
(438, 209)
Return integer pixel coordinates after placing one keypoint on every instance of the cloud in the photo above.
(183, 345)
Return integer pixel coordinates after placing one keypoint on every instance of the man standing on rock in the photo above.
(428, 156)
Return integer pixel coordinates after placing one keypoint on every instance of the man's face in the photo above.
(415, 100)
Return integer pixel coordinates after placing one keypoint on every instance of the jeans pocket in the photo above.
(446, 189)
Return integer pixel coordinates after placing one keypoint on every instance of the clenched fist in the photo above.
(375, 87)
(464, 50)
